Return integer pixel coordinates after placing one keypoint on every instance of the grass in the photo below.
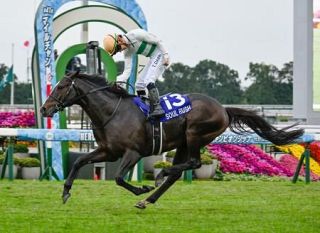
(203, 206)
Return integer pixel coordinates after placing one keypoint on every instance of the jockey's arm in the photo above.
(152, 39)
(127, 69)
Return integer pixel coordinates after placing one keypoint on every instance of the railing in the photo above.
(50, 135)
(16, 107)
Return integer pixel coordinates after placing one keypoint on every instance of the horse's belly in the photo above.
(174, 134)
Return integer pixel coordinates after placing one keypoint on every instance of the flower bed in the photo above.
(297, 150)
(291, 163)
(17, 119)
(247, 159)
(315, 151)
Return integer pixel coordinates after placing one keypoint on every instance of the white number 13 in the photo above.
(177, 101)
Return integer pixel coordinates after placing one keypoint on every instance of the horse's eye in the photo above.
(61, 87)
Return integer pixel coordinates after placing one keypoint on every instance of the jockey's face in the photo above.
(122, 43)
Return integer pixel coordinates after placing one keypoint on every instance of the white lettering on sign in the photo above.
(86, 137)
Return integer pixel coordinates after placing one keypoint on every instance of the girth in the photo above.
(157, 137)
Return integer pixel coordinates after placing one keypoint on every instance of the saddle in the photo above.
(173, 104)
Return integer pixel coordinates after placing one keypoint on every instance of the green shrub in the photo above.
(15, 160)
(250, 177)
(29, 162)
(206, 159)
(171, 154)
(162, 164)
(283, 118)
(205, 151)
(20, 148)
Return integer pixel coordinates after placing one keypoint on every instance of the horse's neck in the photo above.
(99, 106)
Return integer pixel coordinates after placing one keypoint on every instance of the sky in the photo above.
(231, 32)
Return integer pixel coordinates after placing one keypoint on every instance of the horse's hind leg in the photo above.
(93, 157)
(180, 158)
(181, 163)
(130, 158)
(188, 158)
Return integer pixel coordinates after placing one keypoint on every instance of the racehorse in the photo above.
(122, 130)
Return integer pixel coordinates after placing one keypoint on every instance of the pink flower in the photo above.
(291, 163)
(247, 159)
(17, 119)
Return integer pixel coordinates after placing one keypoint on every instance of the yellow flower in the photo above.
(297, 150)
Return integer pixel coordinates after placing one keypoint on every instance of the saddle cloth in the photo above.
(173, 104)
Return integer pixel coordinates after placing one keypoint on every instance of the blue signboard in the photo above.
(45, 51)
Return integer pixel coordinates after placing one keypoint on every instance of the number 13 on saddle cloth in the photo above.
(174, 105)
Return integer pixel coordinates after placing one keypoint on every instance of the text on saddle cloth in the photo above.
(173, 104)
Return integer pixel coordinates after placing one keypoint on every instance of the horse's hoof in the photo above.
(147, 188)
(65, 197)
(142, 204)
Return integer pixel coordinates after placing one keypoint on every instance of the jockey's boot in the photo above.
(142, 94)
(156, 110)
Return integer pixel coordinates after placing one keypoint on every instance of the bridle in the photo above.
(62, 104)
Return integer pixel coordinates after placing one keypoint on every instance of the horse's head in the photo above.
(61, 96)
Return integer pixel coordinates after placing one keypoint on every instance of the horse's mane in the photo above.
(100, 81)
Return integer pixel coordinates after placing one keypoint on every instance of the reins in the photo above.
(79, 97)
(93, 91)
(112, 115)
(62, 104)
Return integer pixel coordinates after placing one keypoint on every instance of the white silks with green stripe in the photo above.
(146, 49)
(146, 44)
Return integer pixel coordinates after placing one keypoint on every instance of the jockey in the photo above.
(139, 41)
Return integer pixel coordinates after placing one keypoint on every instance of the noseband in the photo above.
(61, 103)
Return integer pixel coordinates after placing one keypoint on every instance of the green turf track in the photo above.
(203, 206)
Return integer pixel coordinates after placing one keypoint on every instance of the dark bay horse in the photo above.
(122, 130)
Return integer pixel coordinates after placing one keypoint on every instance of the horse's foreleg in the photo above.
(130, 158)
(158, 193)
(93, 157)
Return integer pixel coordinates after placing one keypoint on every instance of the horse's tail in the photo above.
(238, 118)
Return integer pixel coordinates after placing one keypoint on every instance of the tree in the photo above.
(218, 81)
(22, 94)
(207, 77)
(270, 85)
(284, 89)
(176, 79)
(263, 78)
(23, 91)
(3, 71)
